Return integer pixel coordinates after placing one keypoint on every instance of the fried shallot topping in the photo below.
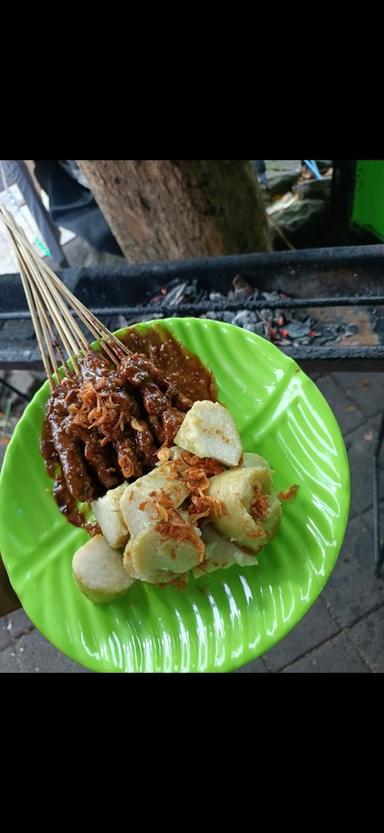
(109, 411)
(175, 527)
(210, 466)
(260, 504)
(194, 471)
(160, 502)
(289, 494)
(163, 454)
(205, 507)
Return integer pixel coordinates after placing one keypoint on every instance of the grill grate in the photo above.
(198, 308)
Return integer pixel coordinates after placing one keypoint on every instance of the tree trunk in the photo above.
(165, 210)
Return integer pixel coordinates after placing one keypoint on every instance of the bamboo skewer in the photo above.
(38, 290)
(100, 331)
(52, 305)
(46, 327)
(35, 321)
(33, 311)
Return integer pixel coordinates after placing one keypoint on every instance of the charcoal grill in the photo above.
(345, 282)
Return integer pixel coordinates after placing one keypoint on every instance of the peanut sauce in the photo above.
(109, 425)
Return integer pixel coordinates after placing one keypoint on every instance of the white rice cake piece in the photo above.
(139, 493)
(236, 490)
(156, 559)
(221, 554)
(99, 572)
(109, 517)
(251, 460)
(208, 430)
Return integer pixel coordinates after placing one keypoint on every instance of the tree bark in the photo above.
(166, 210)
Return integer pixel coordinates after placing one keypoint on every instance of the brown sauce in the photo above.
(110, 424)
(183, 368)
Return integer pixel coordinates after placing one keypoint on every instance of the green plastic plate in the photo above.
(228, 618)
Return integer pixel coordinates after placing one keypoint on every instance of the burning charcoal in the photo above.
(241, 295)
(194, 293)
(261, 329)
(332, 332)
(215, 316)
(309, 321)
(217, 296)
(252, 322)
(179, 292)
(258, 327)
(176, 295)
(271, 296)
(218, 315)
(265, 315)
(284, 327)
(297, 329)
(246, 319)
(157, 299)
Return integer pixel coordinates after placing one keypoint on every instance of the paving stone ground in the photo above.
(344, 630)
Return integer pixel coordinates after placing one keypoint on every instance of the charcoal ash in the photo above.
(187, 292)
(298, 329)
(245, 318)
(219, 315)
(217, 296)
(283, 327)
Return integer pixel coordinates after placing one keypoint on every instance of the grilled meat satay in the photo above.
(171, 419)
(71, 457)
(93, 366)
(144, 440)
(48, 450)
(102, 407)
(180, 400)
(138, 370)
(108, 422)
(165, 419)
(101, 458)
(157, 427)
(126, 457)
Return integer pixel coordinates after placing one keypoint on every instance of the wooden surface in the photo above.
(167, 210)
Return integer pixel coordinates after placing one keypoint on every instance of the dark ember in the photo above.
(283, 327)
